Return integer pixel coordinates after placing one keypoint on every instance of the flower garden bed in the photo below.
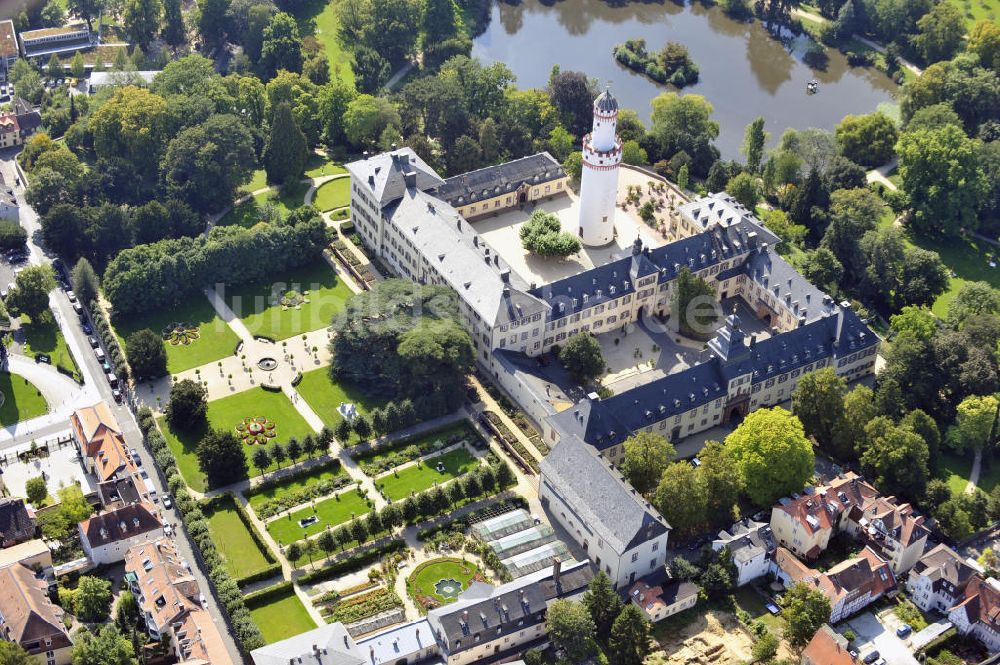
(440, 581)
(357, 607)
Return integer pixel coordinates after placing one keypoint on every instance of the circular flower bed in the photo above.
(180, 334)
(440, 581)
(293, 299)
(257, 430)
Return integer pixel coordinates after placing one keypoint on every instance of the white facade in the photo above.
(602, 157)
(114, 551)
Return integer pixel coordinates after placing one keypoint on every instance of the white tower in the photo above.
(602, 154)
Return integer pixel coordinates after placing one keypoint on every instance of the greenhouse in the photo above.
(502, 525)
(536, 559)
(523, 541)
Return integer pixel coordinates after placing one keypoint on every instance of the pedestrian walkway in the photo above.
(226, 313)
(492, 405)
(977, 467)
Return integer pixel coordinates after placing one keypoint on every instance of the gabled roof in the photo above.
(944, 565)
(382, 176)
(981, 603)
(601, 496)
(491, 181)
(747, 540)
(16, 525)
(120, 524)
(866, 572)
(28, 615)
(327, 645)
(827, 647)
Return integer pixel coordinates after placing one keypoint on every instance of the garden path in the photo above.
(225, 313)
(491, 405)
(319, 181)
(881, 175)
(62, 394)
(977, 465)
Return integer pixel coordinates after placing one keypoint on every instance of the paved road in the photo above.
(94, 379)
(873, 635)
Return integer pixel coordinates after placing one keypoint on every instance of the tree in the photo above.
(754, 138)
(174, 32)
(766, 646)
(439, 21)
(684, 123)
(984, 41)
(142, 19)
(868, 140)
(818, 401)
(261, 459)
(294, 449)
(693, 309)
(147, 355)
(188, 406)
(465, 155)
(84, 281)
(682, 498)
(92, 601)
(604, 605)
(286, 152)
(973, 299)
(12, 653)
(941, 31)
(974, 423)
(941, 176)
(937, 492)
(571, 629)
(36, 490)
(647, 456)
(54, 69)
(629, 642)
(30, 294)
(953, 520)
(86, 9)
(772, 453)
(107, 647)
(721, 478)
(823, 268)
(131, 125)
(743, 187)
(895, 457)
(212, 20)
(281, 47)
(77, 67)
(805, 609)
(923, 425)
(221, 458)
(572, 93)
(127, 611)
(294, 552)
(542, 235)
(581, 355)
(278, 453)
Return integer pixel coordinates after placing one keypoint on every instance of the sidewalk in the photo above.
(491, 405)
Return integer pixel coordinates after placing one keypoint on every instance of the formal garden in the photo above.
(227, 414)
(21, 400)
(275, 495)
(316, 517)
(333, 194)
(424, 474)
(193, 334)
(324, 396)
(299, 301)
(279, 613)
(246, 556)
(440, 581)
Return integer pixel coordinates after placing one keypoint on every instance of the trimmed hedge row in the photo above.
(293, 498)
(115, 352)
(271, 570)
(266, 595)
(355, 560)
(227, 591)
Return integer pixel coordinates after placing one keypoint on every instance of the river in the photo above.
(744, 72)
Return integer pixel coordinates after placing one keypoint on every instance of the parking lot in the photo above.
(873, 633)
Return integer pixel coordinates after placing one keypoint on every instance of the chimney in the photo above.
(410, 179)
(844, 306)
(505, 276)
(556, 571)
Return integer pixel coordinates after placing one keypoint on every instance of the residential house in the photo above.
(8, 48)
(937, 581)
(663, 600)
(850, 586)
(17, 521)
(827, 647)
(804, 523)
(106, 456)
(170, 600)
(751, 547)
(18, 124)
(30, 619)
(621, 532)
(978, 612)
(107, 537)
(34, 554)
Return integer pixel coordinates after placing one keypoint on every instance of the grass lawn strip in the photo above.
(282, 618)
(255, 303)
(45, 337)
(422, 475)
(333, 194)
(225, 414)
(331, 512)
(21, 400)
(216, 340)
(324, 396)
(242, 555)
(424, 578)
(321, 19)
(258, 497)
(318, 166)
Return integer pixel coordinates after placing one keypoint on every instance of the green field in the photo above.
(319, 18)
(249, 213)
(216, 340)
(424, 578)
(257, 181)
(324, 396)
(45, 337)
(331, 512)
(282, 617)
(423, 475)
(236, 546)
(225, 414)
(259, 497)
(333, 194)
(954, 469)
(21, 400)
(317, 166)
(255, 303)
(969, 259)
(975, 10)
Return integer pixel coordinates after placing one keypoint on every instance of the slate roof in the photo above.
(606, 102)
(782, 281)
(382, 175)
(491, 181)
(484, 613)
(327, 645)
(119, 524)
(747, 540)
(601, 496)
(16, 524)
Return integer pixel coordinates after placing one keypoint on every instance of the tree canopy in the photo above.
(772, 453)
(542, 235)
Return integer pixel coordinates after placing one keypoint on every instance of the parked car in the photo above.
(94, 343)
(87, 330)
(117, 394)
(168, 530)
(904, 630)
(71, 296)
(135, 456)
(42, 358)
(871, 657)
(78, 308)
(167, 501)
(99, 352)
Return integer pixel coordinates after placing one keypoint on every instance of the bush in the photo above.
(354, 562)
(12, 235)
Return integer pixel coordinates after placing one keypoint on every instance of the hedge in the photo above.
(505, 504)
(266, 595)
(115, 352)
(275, 566)
(354, 561)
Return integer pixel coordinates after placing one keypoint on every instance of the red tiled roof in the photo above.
(827, 648)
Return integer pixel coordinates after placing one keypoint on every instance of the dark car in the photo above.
(42, 358)
(904, 630)
(87, 330)
(871, 657)
(93, 342)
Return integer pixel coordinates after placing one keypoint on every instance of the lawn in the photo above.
(968, 258)
(45, 337)
(423, 475)
(21, 400)
(331, 512)
(225, 414)
(320, 19)
(954, 469)
(238, 549)
(974, 10)
(333, 194)
(215, 341)
(424, 578)
(282, 617)
(259, 497)
(258, 304)
(318, 165)
(252, 211)
(257, 181)
(324, 396)
(750, 601)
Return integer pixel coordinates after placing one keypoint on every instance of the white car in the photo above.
(167, 502)
(168, 530)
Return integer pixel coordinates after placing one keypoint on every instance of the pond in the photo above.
(744, 71)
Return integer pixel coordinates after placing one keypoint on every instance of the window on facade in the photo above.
(635, 557)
